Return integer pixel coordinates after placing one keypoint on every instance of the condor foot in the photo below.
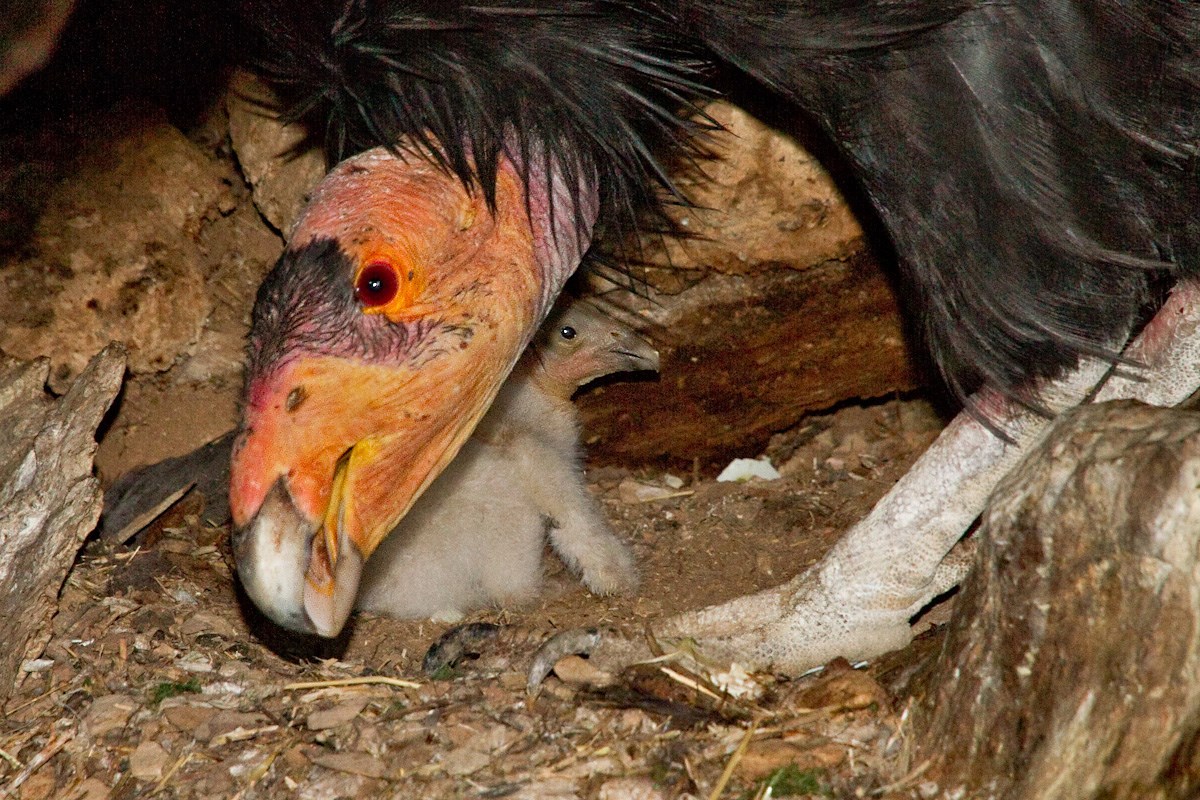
(787, 629)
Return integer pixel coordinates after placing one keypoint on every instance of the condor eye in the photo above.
(376, 285)
(567, 332)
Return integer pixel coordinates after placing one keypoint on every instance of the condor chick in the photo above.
(477, 534)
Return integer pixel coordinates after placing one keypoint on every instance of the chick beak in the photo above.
(632, 353)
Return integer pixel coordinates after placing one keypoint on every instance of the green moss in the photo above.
(790, 781)
(172, 688)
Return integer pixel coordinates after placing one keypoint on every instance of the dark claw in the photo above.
(456, 644)
(577, 642)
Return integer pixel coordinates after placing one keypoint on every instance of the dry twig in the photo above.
(734, 760)
(48, 752)
(365, 680)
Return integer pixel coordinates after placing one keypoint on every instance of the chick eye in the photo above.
(376, 285)
(567, 332)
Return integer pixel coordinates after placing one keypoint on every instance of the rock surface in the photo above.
(279, 161)
(763, 202)
(1072, 667)
(115, 256)
(49, 499)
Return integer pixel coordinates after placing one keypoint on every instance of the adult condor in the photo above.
(1033, 162)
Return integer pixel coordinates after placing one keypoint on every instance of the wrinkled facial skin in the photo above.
(377, 343)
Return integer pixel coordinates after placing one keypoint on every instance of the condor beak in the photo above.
(304, 578)
(317, 487)
(273, 556)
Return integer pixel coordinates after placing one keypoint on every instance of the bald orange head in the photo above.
(377, 343)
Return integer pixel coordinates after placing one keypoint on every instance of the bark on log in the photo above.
(49, 499)
(743, 357)
(1072, 666)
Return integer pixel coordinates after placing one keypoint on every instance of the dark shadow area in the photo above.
(115, 61)
(291, 646)
(173, 54)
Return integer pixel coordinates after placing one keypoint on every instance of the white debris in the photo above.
(195, 662)
(737, 682)
(743, 469)
(37, 664)
(631, 492)
(184, 596)
(223, 687)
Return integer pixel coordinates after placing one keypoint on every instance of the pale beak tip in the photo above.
(272, 552)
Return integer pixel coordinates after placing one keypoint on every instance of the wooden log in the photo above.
(49, 498)
(1072, 665)
(743, 357)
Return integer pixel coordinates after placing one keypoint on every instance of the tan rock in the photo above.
(464, 760)
(114, 255)
(763, 202)
(225, 722)
(90, 789)
(187, 717)
(108, 713)
(763, 758)
(631, 789)
(40, 786)
(576, 671)
(148, 761)
(844, 689)
(281, 166)
(356, 763)
(336, 716)
(208, 622)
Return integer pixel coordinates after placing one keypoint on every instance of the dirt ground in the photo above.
(161, 681)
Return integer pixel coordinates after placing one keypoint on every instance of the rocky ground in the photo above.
(160, 680)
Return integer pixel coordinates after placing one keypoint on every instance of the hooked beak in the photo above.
(303, 577)
(336, 474)
(273, 555)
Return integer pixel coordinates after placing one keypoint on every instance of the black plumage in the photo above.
(1034, 163)
(599, 87)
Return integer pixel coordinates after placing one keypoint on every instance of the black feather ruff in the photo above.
(596, 86)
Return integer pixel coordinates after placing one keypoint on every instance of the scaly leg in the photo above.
(858, 600)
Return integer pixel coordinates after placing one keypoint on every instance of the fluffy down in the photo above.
(476, 536)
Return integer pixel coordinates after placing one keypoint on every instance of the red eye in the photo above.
(377, 285)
